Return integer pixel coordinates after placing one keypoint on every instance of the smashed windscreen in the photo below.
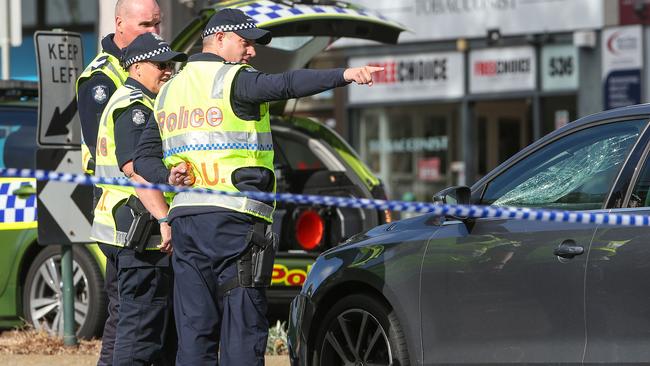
(575, 172)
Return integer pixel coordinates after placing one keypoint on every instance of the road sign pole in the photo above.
(69, 337)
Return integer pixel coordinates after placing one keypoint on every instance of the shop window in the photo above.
(509, 135)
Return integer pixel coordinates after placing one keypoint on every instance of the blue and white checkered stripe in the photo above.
(223, 146)
(421, 207)
(16, 209)
(265, 11)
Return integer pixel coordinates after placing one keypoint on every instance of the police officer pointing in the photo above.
(214, 114)
(144, 274)
(95, 86)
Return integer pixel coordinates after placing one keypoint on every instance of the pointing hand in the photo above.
(361, 75)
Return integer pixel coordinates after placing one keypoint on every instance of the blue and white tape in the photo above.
(471, 211)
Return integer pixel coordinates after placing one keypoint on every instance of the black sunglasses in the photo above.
(163, 65)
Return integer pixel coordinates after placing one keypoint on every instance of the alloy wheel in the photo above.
(356, 338)
(46, 296)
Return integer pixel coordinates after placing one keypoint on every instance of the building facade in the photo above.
(474, 81)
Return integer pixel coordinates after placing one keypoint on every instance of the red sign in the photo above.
(429, 169)
(633, 12)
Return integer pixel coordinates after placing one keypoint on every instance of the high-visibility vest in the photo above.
(108, 65)
(104, 228)
(198, 125)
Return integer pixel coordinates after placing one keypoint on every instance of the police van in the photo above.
(310, 158)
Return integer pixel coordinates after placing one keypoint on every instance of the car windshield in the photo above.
(18, 138)
(575, 172)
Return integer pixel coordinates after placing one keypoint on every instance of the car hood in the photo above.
(300, 31)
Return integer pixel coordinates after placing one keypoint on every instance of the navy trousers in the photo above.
(110, 286)
(144, 332)
(233, 324)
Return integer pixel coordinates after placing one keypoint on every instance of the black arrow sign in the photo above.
(60, 120)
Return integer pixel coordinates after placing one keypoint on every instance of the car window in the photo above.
(572, 173)
(18, 138)
(297, 155)
(640, 196)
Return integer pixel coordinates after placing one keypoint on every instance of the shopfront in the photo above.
(520, 71)
(407, 120)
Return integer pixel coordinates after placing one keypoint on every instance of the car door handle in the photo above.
(24, 192)
(568, 249)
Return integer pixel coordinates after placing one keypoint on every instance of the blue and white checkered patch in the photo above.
(14, 209)
(264, 11)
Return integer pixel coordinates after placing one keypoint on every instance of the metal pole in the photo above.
(69, 336)
(4, 38)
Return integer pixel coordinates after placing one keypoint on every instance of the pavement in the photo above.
(64, 360)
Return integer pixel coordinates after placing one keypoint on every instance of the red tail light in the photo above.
(309, 229)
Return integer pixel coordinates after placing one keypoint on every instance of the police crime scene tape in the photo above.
(469, 211)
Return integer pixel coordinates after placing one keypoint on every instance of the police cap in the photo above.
(149, 47)
(234, 20)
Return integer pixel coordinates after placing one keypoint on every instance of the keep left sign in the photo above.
(59, 57)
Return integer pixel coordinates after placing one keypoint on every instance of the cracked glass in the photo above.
(575, 172)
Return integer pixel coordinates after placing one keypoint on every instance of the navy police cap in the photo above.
(234, 20)
(149, 47)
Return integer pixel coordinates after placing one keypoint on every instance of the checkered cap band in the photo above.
(145, 56)
(227, 28)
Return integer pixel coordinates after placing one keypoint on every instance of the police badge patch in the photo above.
(138, 117)
(100, 94)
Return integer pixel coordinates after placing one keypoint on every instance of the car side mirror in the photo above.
(456, 195)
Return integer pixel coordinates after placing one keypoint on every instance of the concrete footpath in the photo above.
(41, 360)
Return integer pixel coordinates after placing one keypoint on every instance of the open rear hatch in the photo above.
(300, 30)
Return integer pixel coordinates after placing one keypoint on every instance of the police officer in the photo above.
(214, 114)
(95, 86)
(144, 274)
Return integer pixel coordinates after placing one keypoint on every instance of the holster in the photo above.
(255, 266)
(140, 230)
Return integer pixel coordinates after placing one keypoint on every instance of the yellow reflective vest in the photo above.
(198, 125)
(108, 65)
(104, 228)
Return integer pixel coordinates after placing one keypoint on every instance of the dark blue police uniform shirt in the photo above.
(130, 124)
(251, 89)
(93, 96)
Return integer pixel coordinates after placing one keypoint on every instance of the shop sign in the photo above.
(559, 67)
(452, 19)
(429, 169)
(622, 51)
(410, 145)
(633, 12)
(502, 70)
(411, 77)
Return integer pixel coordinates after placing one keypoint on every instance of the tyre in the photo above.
(360, 330)
(43, 293)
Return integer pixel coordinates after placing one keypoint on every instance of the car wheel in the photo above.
(360, 330)
(43, 293)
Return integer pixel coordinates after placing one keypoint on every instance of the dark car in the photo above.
(432, 290)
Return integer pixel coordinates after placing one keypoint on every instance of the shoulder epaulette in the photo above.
(135, 94)
(100, 62)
